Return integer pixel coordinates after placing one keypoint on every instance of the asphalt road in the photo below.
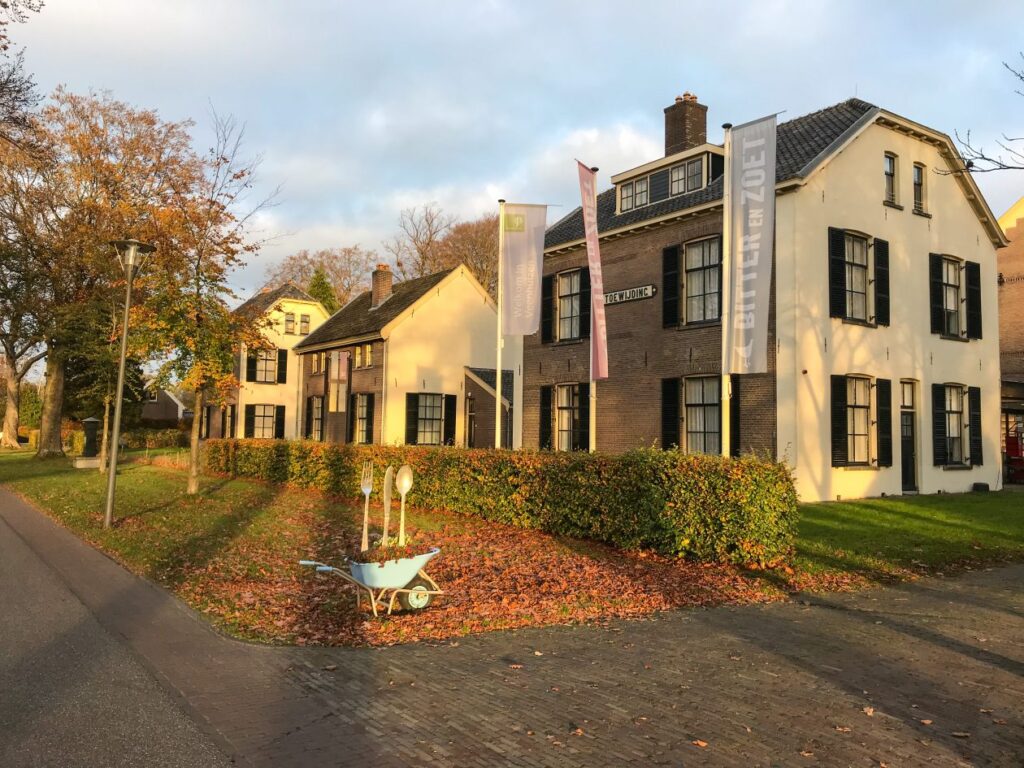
(72, 694)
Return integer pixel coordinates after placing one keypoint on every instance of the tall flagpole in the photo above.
(724, 420)
(500, 339)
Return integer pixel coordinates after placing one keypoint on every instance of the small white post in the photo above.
(500, 339)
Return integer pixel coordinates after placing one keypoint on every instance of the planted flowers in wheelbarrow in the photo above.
(391, 570)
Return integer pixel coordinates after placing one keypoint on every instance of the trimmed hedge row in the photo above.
(710, 508)
(134, 438)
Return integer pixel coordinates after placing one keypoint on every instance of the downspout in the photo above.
(384, 395)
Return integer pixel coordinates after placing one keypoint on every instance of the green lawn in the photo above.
(881, 539)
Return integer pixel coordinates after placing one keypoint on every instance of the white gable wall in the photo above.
(847, 193)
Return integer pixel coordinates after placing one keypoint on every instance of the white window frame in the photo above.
(266, 366)
(953, 315)
(891, 188)
(626, 197)
(956, 395)
(859, 420)
(289, 323)
(851, 267)
(705, 270)
(430, 419)
(567, 415)
(641, 192)
(260, 420)
(702, 402)
(363, 415)
(920, 201)
(573, 300)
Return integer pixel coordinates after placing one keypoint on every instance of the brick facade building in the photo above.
(863, 395)
(1011, 339)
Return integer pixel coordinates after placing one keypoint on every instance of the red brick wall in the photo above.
(362, 380)
(640, 351)
(483, 400)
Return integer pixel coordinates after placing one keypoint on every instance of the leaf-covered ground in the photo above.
(232, 552)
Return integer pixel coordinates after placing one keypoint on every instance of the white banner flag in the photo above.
(750, 239)
(598, 335)
(522, 268)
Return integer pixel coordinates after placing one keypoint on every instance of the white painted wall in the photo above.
(451, 327)
(847, 192)
(287, 394)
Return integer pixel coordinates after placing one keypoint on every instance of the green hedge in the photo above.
(133, 438)
(709, 508)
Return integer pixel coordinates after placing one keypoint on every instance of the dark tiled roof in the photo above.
(487, 375)
(357, 318)
(799, 141)
(265, 300)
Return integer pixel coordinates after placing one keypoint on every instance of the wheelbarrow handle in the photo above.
(309, 563)
(324, 569)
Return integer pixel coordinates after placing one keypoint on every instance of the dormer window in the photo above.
(640, 192)
(633, 194)
(626, 197)
(687, 177)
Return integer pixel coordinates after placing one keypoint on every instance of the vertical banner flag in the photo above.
(522, 268)
(750, 238)
(598, 338)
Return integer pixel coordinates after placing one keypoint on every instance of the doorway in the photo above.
(908, 436)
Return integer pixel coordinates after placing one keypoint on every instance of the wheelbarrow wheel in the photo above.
(418, 597)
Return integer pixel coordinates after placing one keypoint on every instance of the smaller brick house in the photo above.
(1011, 340)
(407, 363)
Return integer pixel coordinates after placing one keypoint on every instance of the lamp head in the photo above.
(131, 253)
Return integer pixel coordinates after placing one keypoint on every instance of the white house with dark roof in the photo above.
(883, 373)
(394, 365)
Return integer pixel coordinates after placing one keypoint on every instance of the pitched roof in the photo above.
(357, 319)
(799, 142)
(265, 300)
(488, 377)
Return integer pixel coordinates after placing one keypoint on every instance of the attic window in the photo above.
(687, 177)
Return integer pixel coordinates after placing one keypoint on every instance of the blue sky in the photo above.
(362, 109)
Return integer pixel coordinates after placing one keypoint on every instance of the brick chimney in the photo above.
(686, 124)
(381, 286)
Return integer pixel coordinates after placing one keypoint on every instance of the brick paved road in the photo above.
(777, 685)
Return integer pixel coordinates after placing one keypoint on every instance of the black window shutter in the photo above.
(279, 422)
(837, 277)
(939, 458)
(282, 366)
(309, 419)
(582, 437)
(935, 294)
(735, 412)
(974, 425)
(412, 417)
(669, 413)
(972, 275)
(250, 366)
(883, 409)
(370, 415)
(353, 404)
(450, 409)
(882, 282)
(546, 417)
(670, 286)
(250, 420)
(840, 446)
(547, 308)
(585, 303)
(224, 421)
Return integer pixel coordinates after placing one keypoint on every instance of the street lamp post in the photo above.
(131, 254)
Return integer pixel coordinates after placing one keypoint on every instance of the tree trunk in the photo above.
(105, 438)
(11, 421)
(193, 456)
(50, 443)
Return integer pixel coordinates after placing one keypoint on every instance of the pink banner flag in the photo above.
(598, 337)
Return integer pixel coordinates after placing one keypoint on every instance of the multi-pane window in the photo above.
(686, 177)
(626, 197)
(315, 364)
(569, 305)
(890, 177)
(703, 280)
(266, 366)
(640, 192)
(567, 416)
(856, 277)
(907, 395)
(263, 423)
(951, 297)
(229, 421)
(703, 414)
(955, 424)
(357, 361)
(367, 355)
(918, 187)
(337, 385)
(363, 418)
(430, 424)
(304, 324)
(289, 322)
(858, 419)
(317, 418)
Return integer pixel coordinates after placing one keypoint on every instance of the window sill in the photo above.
(892, 204)
(861, 468)
(956, 467)
(699, 324)
(567, 342)
(922, 213)
(861, 323)
(947, 337)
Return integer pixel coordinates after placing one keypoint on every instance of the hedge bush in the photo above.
(710, 508)
(133, 438)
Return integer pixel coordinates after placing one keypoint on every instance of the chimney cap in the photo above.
(383, 267)
(679, 99)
